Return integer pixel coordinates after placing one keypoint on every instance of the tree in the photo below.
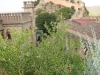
(66, 12)
(38, 11)
(72, 1)
(72, 7)
(43, 18)
(36, 2)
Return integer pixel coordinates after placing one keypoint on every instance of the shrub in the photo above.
(66, 12)
(86, 12)
(93, 55)
(14, 55)
(38, 11)
(72, 7)
(43, 18)
(36, 2)
(20, 57)
(72, 1)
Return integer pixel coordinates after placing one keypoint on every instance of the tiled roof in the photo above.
(83, 21)
(85, 27)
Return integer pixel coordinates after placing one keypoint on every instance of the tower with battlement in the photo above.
(18, 20)
(28, 6)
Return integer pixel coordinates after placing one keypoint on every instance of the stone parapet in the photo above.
(28, 4)
(18, 17)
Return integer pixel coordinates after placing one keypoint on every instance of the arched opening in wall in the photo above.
(8, 34)
(30, 28)
(2, 33)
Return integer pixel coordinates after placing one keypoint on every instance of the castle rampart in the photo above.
(18, 20)
(20, 17)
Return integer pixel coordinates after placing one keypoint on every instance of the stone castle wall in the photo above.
(18, 20)
(0, 25)
(20, 17)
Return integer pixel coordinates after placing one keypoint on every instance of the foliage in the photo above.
(72, 7)
(38, 11)
(86, 12)
(78, 1)
(20, 57)
(66, 12)
(43, 18)
(72, 1)
(36, 2)
(14, 55)
(93, 55)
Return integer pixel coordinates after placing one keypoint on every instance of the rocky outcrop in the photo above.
(53, 5)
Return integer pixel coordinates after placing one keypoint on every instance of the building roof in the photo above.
(86, 27)
(83, 21)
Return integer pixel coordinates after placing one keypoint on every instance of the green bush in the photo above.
(36, 2)
(43, 18)
(66, 12)
(20, 57)
(72, 7)
(38, 11)
(14, 55)
(86, 12)
(72, 1)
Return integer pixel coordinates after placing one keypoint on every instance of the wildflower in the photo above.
(69, 69)
(48, 42)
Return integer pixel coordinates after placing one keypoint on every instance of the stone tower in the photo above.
(29, 7)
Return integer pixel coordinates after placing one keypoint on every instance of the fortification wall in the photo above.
(18, 26)
(27, 25)
(20, 17)
(0, 24)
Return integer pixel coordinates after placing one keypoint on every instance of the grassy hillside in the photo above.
(94, 10)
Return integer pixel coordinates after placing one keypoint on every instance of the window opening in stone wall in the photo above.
(8, 35)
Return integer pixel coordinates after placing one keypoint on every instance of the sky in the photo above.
(16, 5)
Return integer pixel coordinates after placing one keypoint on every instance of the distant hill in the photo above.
(94, 10)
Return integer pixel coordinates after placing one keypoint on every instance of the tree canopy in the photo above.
(66, 12)
(43, 18)
(36, 2)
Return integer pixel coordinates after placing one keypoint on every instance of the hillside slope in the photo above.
(94, 10)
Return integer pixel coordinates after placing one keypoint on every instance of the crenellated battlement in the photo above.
(28, 4)
(19, 17)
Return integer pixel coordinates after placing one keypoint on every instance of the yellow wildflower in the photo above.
(48, 42)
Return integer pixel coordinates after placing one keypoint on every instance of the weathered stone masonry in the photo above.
(18, 20)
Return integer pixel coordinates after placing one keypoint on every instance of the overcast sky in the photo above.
(16, 5)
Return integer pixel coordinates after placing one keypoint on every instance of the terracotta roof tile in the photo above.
(85, 27)
(82, 21)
